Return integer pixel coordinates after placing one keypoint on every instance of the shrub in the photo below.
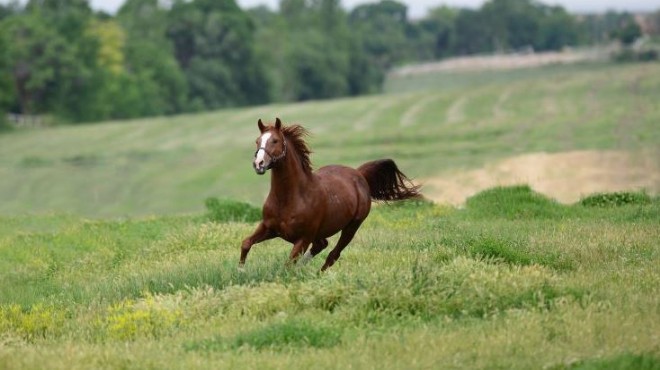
(507, 250)
(623, 362)
(288, 333)
(4, 125)
(616, 199)
(39, 321)
(513, 202)
(225, 210)
(629, 55)
(128, 320)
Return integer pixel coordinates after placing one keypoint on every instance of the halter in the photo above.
(273, 159)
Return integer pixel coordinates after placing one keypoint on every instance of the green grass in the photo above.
(621, 362)
(421, 286)
(110, 257)
(287, 335)
(517, 202)
(450, 122)
(615, 199)
(224, 210)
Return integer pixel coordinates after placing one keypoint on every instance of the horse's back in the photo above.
(347, 194)
(344, 179)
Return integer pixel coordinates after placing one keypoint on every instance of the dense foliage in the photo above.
(62, 59)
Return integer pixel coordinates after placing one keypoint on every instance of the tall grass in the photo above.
(420, 286)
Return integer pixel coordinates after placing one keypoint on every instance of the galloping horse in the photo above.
(305, 207)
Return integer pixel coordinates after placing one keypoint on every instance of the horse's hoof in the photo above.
(305, 258)
(241, 268)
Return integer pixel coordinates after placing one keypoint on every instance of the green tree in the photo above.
(513, 24)
(382, 27)
(271, 48)
(557, 29)
(473, 34)
(654, 22)
(628, 30)
(62, 69)
(380, 31)
(318, 72)
(310, 51)
(7, 94)
(214, 45)
(35, 59)
(601, 28)
(438, 32)
(157, 83)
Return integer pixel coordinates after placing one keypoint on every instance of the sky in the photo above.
(417, 8)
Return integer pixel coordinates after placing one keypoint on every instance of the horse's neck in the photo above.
(289, 178)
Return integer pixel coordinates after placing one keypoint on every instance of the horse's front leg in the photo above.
(260, 234)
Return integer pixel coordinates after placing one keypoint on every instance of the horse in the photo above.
(306, 207)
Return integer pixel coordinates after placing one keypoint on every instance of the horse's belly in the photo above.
(292, 226)
(347, 198)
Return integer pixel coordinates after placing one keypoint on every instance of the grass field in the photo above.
(514, 280)
(430, 125)
(107, 259)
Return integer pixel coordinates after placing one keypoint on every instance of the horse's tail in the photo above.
(387, 182)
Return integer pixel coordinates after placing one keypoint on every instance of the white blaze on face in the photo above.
(259, 158)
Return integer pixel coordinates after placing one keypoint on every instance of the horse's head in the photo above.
(271, 146)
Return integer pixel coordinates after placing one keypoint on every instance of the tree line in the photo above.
(60, 58)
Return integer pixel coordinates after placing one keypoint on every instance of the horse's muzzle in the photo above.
(260, 169)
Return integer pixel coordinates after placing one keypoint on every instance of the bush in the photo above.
(513, 202)
(225, 210)
(645, 361)
(37, 322)
(278, 336)
(128, 320)
(616, 199)
(4, 125)
(629, 55)
(291, 333)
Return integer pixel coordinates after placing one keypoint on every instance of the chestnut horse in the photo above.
(305, 207)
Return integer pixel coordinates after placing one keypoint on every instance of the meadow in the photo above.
(108, 258)
(431, 125)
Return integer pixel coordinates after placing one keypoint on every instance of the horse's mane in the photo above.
(295, 134)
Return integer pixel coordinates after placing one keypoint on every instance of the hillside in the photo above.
(438, 127)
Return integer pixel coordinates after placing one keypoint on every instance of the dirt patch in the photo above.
(565, 177)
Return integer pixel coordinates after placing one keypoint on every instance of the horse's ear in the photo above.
(261, 125)
(278, 123)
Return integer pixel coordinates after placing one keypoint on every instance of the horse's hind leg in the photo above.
(346, 236)
(317, 246)
(298, 248)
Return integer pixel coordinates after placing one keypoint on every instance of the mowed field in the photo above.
(108, 260)
(436, 127)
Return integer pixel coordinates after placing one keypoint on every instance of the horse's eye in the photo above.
(275, 141)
